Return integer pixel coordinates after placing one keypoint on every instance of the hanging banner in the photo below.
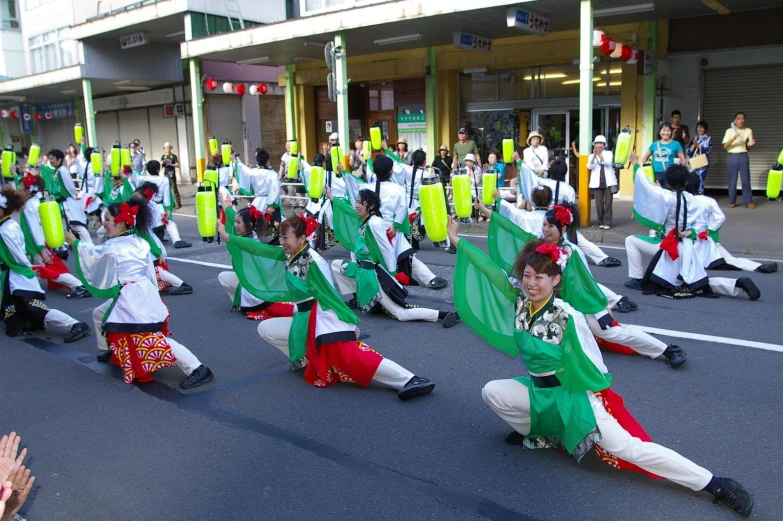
(526, 21)
(61, 110)
(27, 123)
(471, 42)
(410, 123)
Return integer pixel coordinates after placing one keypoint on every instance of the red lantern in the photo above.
(38, 116)
(48, 115)
(241, 89)
(617, 51)
(13, 114)
(4, 113)
(211, 84)
(607, 45)
(635, 55)
(626, 54)
(263, 88)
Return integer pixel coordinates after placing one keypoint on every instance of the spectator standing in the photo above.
(402, 151)
(356, 160)
(603, 181)
(737, 141)
(701, 144)
(170, 163)
(663, 152)
(443, 163)
(680, 132)
(536, 155)
(137, 158)
(499, 168)
(463, 147)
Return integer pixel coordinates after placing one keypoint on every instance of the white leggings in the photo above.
(167, 276)
(173, 230)
(275, 331)
(639, 341)
(186, 361)
(593, 252)
(66, 279)
(509, 399)
(57, 319)
(347, 286)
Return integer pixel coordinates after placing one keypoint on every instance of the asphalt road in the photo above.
(259, 443)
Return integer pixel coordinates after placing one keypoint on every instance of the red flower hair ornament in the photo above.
(563, 215)
(149, 193)
(30, 181)
(558, 254)
(127, 215)
(255, 213)
(311, 225)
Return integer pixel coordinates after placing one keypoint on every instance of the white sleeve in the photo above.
(717, 218)
(67, 181)
(528, 221)
(17, 249)
(377, 228)
(244, 176)
(401, 172)
(34, 223)
(98, 265)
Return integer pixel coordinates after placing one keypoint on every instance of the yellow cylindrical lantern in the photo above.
(13, 157)
(463, 199)
(293, 167)
(211, 177)
(225, 151)
(434, 213)
(294, 147)
(34, 154)
(78, 133)
(125, 157)
(623, 147)
(96, 162)
(508, 150)
(213, 146)
(780, 158)
(316, 186)
(774, 180)
(489, 185)
(116, 160)
(337, 156)
(206, 211)
(367, 149)
(649, 172)
(376, 138)
(51, 222)
(8, 160)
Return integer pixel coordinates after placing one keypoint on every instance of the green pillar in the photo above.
(89, 113)
(431, 104)
(585, 105)
(197, 100)
(290, 103)
(650, 130)
(341, 89)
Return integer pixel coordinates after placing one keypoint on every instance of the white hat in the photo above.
(599, 139)
(334, 136)
(470, 157)
(166, 145)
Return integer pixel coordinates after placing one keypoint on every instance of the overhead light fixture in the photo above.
(398, 39)
(13, 98)
(474, 70)
(137, 88)
(260, 59)
(716, 6)
(121, 82)
(574, 82)
(68, 92)
(551, 76)
(629, 9)
(611, 84)
(313, 43)
(305, 59)
(174, 35)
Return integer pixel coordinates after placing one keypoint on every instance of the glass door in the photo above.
(555, 126)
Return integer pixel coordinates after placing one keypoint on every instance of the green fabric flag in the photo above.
(260, 269)
(577, 372)
(30, 247)
(505, 240)
(394, 156)
(328, 299)
(484, 298)
(106, 293)
(10, 261)
(346, 223)
(579, 288)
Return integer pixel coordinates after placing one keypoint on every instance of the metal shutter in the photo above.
(225, 121)
(107, 129)
(756, 92)
(161, 130)
(273, 131)
(134, 124)
(55, 133)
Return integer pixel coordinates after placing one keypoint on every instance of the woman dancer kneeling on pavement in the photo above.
(134, 321)
(322, 335)
(566, 401)
(22, 298)
(372, 279)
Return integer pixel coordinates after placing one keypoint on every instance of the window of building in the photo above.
(52, 50)
(9, 14)
(381, 97)
(310, 7)
(481, 86)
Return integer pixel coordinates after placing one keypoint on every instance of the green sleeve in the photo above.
(231, 215)
(328, 298)
(579, 288)
(346, 223)
(87, 267)
(10, 261)
(505, 240)
(394, 156)
(30, 246)
(484, 298)
(260, 269)
(576, 371)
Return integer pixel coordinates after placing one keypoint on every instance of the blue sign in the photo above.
(527, 21)
(27, 123)
(471, 42)
(60, 110)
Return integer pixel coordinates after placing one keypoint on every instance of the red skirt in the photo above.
(49, 272)
(140, 354)
(274, 310)
(346, 362)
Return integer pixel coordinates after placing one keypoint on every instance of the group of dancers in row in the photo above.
(533, 296)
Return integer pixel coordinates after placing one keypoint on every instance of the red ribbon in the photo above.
(563, 216)
(311, 225)
(403, 279)
(703, 235)
(255, 213)
(149, 193)
(127, 215)
(550, 249)
(670, 245)
(29, 180)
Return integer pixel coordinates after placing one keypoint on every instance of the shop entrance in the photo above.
(555, 126)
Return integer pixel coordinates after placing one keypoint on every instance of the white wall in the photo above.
(12, 62)
(43, 18)
(684, 76)
(266, 11)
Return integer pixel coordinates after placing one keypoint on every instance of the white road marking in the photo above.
(185, 215)
(653, 330)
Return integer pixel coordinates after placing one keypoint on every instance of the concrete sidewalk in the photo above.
(756, 233)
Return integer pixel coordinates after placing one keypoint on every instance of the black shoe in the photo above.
(450, 320)
(771, 267)
(610, 262)
(104, 357)
(79, 292)
(62, 253)
(182, 244)
(235, 308)
(451, 249)
(748, 286)
(185, 289)
(200, 376)
(416, 386)
(439, 244)
(514, 438)
(78, 331)
(298, 365)
(437, 283)
(353, 303)
(626, 305)
(734, 496)
(675, 356)
(633, 284)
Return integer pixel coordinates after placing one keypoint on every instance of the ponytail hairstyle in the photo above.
(541, 196)
(135, 210)
(262, 158)
(382, 166)
(564, 215)
(677, 177)
(694, 183)
(10, 200)
(372, 200)
(254, 221)
(419, 158)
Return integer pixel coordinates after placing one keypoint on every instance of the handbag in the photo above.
(699, 160)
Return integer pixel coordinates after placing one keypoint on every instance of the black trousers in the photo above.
(603, 205)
